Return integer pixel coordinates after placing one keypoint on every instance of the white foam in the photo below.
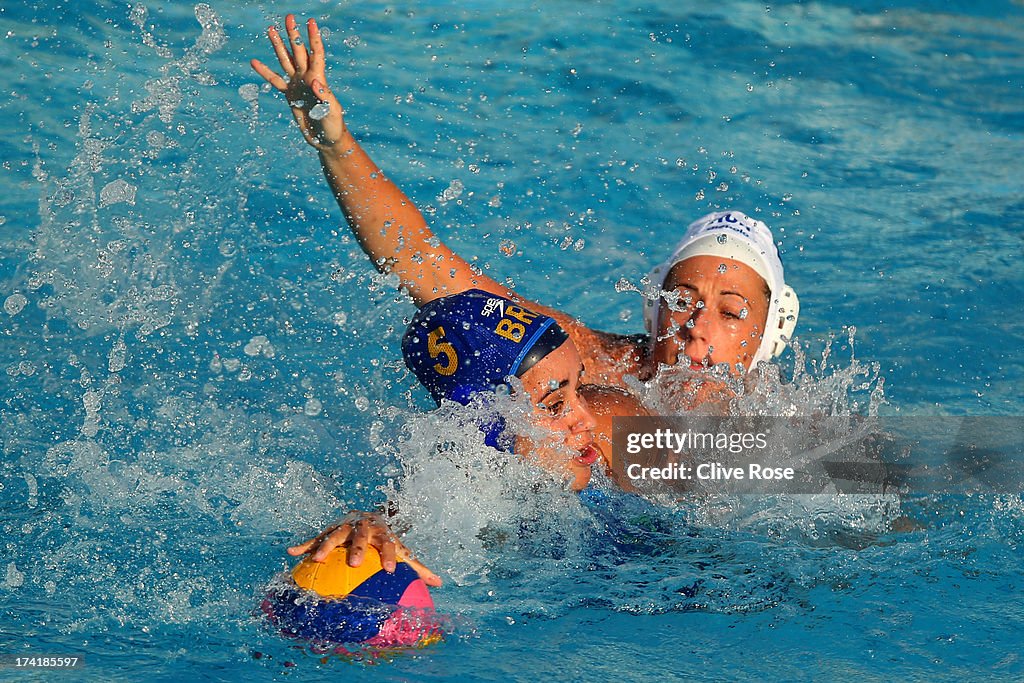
(818, 387)
(15, 578)
(259, 346)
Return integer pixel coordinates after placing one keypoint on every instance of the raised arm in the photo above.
(388, 226)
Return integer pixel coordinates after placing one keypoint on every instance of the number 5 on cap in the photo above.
(436, 347)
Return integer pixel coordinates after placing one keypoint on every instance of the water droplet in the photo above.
(722, 268)
(138, 15)
(453, 191)
(507, 247)
(722, 238)
(15, 578)
(744, 313)
(313, 407)
(624, 285)
(259, 345)
(321, 110)
(15, 303)
(362, 403)
(249, 92)
(340, 318)
(352, 41)
(116, 192)
(116, 359)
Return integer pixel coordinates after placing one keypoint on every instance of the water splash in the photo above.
(821, 387)
(166, 93)
(141, 468)
(96, 259)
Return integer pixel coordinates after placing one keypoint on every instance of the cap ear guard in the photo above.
(788, 313)
(496, 434)
(462, 393)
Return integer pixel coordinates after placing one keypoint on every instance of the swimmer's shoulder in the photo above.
(608, 358)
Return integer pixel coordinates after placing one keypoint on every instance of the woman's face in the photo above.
(553, 385)
(722, 308)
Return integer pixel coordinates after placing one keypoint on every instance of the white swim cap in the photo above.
(735, 235)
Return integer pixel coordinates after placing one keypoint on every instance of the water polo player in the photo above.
(723, 297)
(470, 343)
(713, 308)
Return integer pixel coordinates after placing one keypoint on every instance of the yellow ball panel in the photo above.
(333, 577)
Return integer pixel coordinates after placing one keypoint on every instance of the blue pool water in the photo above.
(199, 366)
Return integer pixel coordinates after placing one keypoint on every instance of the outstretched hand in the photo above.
(357, 530)
(316, 109)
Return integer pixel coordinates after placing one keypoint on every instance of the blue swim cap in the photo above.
(473, 341)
